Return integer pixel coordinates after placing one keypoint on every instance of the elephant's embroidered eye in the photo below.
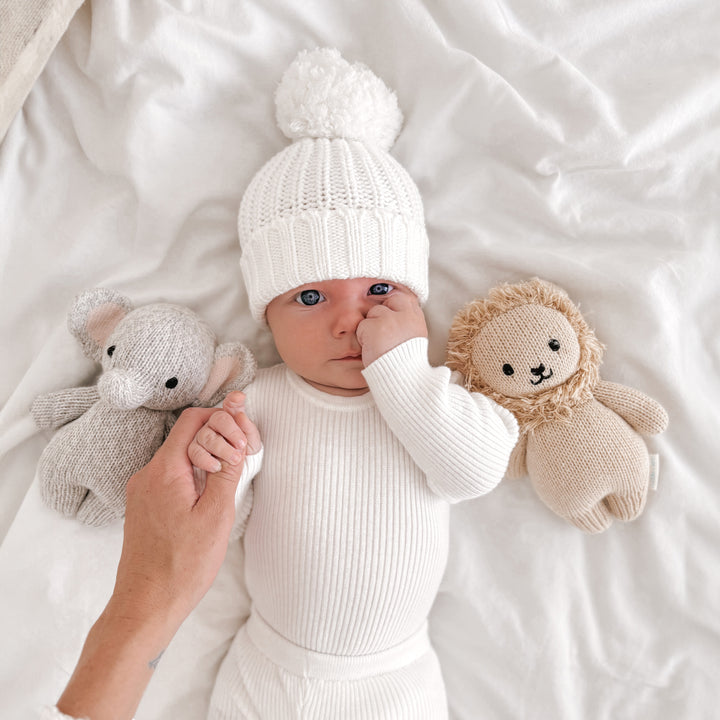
(508, 369)
(554, 345)
(171, 383)
(111, 350)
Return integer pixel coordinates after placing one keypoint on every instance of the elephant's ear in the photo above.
(234, 367)
(94, 316)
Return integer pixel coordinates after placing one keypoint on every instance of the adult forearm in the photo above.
(174, 542)
(115, 666)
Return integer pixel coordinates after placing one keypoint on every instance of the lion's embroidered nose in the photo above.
(539, 373)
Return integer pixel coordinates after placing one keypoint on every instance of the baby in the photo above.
(364, 445)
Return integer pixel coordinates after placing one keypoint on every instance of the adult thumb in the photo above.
(220, 488)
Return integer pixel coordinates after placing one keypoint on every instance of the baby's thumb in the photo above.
(235, 405)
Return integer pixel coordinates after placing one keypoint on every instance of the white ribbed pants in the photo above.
(265, 677)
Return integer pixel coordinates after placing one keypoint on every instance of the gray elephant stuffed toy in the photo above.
(156, 360)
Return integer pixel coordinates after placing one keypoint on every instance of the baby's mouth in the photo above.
(542, 377)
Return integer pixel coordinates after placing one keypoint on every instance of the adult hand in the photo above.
(390, 324)
(175, 538)
(174, 542)
(228, 435)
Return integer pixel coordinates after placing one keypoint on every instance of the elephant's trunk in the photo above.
(123, 391)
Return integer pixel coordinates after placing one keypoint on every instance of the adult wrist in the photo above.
(142, 615)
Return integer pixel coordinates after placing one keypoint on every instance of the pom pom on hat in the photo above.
(321, 95)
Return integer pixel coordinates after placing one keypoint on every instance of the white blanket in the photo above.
(574, 141)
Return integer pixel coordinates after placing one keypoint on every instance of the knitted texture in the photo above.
(528, 347)
(334, 204)
(156, 360)
(347, 538)
(265, 676)
(19, 21)
(56, 409)
(499, 324)
(333, 562)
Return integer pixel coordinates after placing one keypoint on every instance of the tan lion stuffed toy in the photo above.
(528, 348)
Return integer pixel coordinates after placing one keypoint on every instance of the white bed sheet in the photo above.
(575, 141)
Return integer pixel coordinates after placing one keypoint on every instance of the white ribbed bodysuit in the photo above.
(346, 541)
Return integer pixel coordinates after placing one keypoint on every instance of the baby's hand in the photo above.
(228, 436)
(390, 324)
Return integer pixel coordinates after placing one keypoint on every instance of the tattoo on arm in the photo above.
(154, 663)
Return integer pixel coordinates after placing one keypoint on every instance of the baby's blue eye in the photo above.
(309, 297)
(380, 289)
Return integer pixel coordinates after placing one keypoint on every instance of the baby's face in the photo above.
(314, 329)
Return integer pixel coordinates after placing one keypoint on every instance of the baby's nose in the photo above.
(348, 317)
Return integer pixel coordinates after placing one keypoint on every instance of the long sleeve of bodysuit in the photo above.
(462, 441)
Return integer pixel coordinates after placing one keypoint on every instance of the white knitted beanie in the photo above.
(334, 204)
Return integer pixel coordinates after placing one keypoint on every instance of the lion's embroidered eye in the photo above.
(554, 345)
(111, 350)
(171, 383)
(508, 369)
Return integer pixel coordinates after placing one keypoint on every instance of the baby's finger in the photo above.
(234, 402)
(363, 329)
(401, 301)
(235, 405)
(377, 311)
(202, 459)
(252, 434)
(218, 446)
(224, 425)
